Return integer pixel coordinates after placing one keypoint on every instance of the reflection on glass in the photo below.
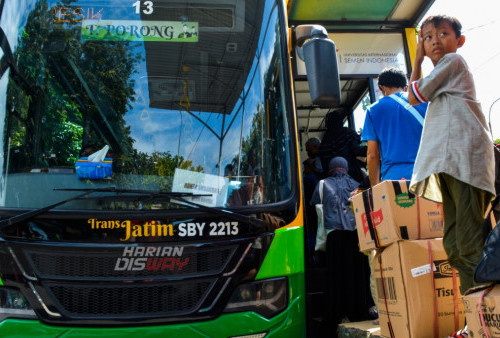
(179, 92)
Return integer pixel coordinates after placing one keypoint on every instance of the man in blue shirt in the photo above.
(392, 130)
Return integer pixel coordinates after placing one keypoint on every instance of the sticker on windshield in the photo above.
(137, 30)
(213, 188)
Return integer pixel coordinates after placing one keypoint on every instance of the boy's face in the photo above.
(440, 40)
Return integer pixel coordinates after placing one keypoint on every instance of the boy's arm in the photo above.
(417, 69)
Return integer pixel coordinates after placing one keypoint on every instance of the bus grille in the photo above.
(61, 263)
(121, 284)
(90, 301)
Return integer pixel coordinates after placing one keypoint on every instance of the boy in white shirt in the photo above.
(455, 162)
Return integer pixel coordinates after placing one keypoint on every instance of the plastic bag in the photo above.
(321, 234)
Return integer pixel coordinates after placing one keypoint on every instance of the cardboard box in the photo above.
(412, 298)
(490, 308)
(394, 215)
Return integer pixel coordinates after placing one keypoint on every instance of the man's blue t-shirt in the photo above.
(398, 134)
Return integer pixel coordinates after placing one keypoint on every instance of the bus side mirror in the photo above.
(320, 56)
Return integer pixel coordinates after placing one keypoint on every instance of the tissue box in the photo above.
(94, 170)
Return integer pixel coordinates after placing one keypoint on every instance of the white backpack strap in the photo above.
(321, 183)
(408, 107)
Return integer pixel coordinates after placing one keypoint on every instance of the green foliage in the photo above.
(67, 139)
(252, 143)
(72, 93)
(155, 170)
(64, 84)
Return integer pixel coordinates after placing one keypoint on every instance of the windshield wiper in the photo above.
(136, 191)
(33, 213)
(181, 196)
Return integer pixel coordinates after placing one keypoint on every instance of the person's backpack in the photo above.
(488, 269)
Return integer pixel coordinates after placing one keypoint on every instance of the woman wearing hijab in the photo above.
(348, 271)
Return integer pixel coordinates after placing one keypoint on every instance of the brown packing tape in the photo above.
(419, 223)
(455, 299)
(433, 285)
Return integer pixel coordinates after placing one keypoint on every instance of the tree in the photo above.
(67, 91)
(156, 170)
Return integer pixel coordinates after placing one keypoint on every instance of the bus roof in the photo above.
(358, 14)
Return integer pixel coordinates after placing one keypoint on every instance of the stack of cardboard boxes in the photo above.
(417, 291)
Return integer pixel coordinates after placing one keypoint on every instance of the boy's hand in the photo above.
(417, 68)
(420, 54)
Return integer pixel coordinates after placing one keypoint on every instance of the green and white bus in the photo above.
(150, 165)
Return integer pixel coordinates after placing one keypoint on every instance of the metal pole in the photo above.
(489, 118)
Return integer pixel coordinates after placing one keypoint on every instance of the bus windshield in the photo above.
(163, 95)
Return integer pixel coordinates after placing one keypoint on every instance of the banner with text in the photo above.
(365, 53)
(137, 30)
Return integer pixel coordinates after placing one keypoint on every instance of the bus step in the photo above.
(366, 329)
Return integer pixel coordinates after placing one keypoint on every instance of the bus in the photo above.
(150, 163)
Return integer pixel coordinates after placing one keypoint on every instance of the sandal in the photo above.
(463, 333)
(372, 312)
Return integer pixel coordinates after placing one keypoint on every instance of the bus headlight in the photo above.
(14, 305)
(266, 297)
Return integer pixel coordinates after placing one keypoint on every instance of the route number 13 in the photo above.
(148, 4)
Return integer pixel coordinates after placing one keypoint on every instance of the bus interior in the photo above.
(362, 28)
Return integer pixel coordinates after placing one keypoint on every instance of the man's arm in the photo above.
(373, 161)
